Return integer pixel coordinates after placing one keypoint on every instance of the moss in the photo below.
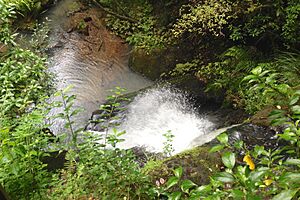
(198, 165)
(153, 64)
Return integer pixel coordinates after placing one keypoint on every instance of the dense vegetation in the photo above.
(249, 49)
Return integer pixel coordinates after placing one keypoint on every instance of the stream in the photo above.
(93, 61)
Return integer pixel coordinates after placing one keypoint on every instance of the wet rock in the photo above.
(142, 156)
(252, 135)
(261, 118)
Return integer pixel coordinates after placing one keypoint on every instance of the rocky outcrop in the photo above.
(153, 64)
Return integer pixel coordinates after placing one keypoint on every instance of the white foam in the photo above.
(153, 113)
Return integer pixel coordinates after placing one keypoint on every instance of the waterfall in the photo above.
(158, 110)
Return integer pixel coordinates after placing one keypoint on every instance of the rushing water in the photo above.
(92, 73)
(96, 62)
(157, 111)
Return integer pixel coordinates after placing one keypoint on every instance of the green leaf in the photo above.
(204, 189)
(285, 195)
(228, 159)
(178, 172)
(292, 161)
(68, 88)
(186, 185)
(283, 88)
(224, 177)
(255, 176)
(237, 194)
(238, 144)
(294, 100)
(290, 177)
(257, 70)
(172, 181)
(175, 196)
(216, 148)
(223, 138)
(296, 109)
(250, 77)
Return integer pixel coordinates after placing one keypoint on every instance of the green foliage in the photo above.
(23, 80)
(204, 17)
(6, 15)
(24, 7)
(273, 82)
(291, 27)
(95, 167)
(139, 30)
(23, 145)
(168, 148)
(22, 73)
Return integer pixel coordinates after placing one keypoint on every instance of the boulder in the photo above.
(153, 64)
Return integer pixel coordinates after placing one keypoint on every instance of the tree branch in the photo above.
(132, 20)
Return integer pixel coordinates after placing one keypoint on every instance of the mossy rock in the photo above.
(153, 64)
(198, 165)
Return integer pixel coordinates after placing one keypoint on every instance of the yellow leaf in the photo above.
(247, 159)
(268, 182)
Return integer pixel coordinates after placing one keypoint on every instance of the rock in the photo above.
(55, 160)
(250, 134)
(153, 64)
(261, 118)
(198, 165)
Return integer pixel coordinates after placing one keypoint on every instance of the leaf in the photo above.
(294, 100)
(172, 181)
(296, 109)
(250, 77)
(216, 148)
(256, 70)
(186, 185)
(238, 144)
(204, 189)
(255, 176)
(283, 88)
(290, 177)
(223, 138)
(259, 150)
(228, 159)
(286, 195)
(67, 89)
(175, 196)
(292, 161)
(237, 194)
(224, 177)
(178, 172)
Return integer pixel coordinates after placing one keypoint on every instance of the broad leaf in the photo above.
(290, 177)
(204, 189)
(175, 196)
(172, 181)
(292, 161)
(255, 176)
(257, 70)
(178, 172)
(224, 177)
(186, 185)
(216, 148)
(228, 159)
(285, 195)
(223, 138)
